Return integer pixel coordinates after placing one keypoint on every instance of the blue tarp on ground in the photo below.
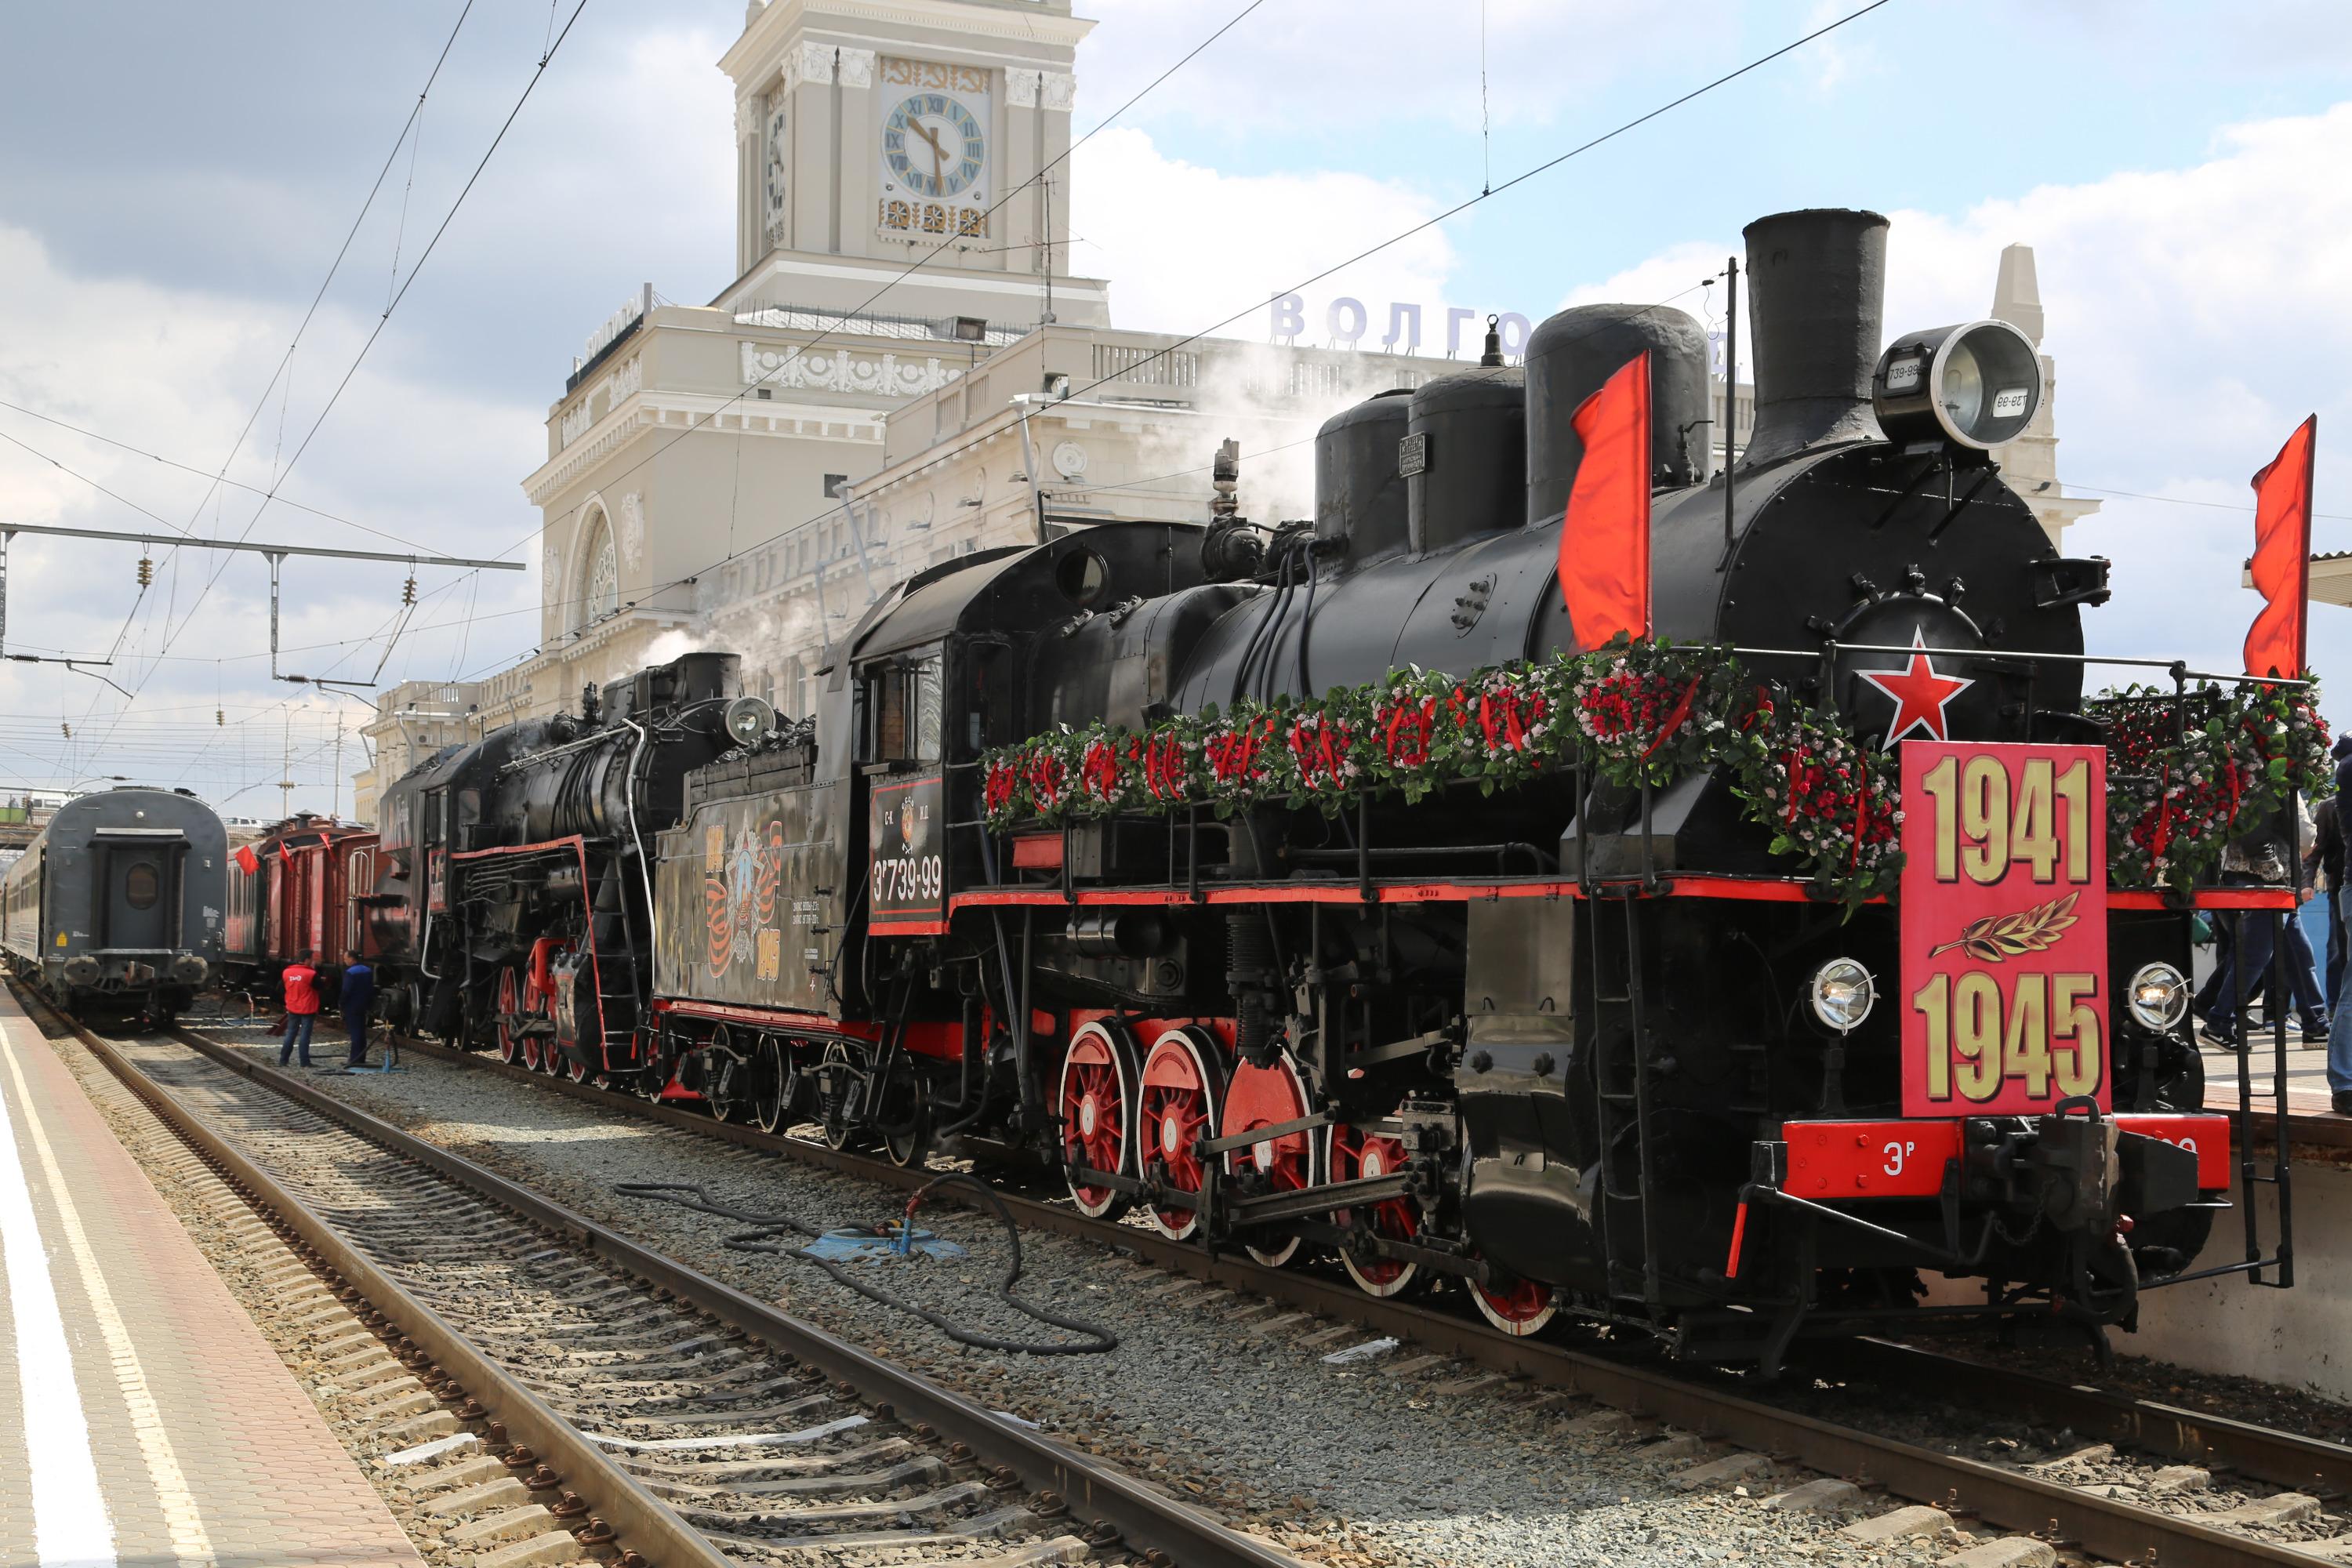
(855, 1244)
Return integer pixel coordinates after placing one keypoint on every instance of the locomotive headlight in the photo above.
(2159, 996)
(1843, 994)
(749, 720)
(1977, 384)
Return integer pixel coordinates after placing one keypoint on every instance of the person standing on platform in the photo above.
(2339, 1032)
(2260, 858)
(358, 999)
(302, 1008)
(2326, 858)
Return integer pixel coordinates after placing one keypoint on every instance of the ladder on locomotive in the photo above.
(612, 931)
(1622, 1076)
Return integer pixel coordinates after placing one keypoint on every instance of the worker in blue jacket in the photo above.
(358, 999)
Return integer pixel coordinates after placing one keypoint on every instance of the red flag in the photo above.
(285, 854)
(2281, 568)
(1604, 539)
(247, 860)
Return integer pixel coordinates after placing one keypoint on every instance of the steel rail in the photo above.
(2104, 1527)
(1143, 1519)
(2308, 1464)
(644, 1523)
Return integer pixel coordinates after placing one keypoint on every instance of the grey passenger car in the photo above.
(116, 907)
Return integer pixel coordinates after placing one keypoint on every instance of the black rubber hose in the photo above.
(686, 1194)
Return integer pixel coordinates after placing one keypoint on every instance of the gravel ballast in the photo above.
(1352, 1465)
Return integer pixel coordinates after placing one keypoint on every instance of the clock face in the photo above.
(933, 145)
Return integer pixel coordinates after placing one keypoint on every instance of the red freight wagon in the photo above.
(290, 892)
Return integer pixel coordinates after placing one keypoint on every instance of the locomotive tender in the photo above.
(115, 907)
(1564, 1045)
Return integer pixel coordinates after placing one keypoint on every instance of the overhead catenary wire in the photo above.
(538, 74)
(184, 467)
(301, 328)
(334, 267)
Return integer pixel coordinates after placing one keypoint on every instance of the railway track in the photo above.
(653, 1413)
(2133, 1475)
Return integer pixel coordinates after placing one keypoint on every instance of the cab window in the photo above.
(902, 709)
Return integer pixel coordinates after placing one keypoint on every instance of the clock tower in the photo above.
(870, 134)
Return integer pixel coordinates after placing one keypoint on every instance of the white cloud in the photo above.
(1186, 246)
(1321, 66)
(176, 371)
(2196, 314)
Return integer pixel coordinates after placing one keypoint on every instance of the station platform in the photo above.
(2311, 1119)
(143, 1418)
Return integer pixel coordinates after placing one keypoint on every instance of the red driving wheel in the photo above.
(1357, 1153)
(1268, 1097)
(1181, 1079)
(1097, 1107)
(1518, 1306)
(509, 1004)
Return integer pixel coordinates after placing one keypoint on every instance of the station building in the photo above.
(903, 370)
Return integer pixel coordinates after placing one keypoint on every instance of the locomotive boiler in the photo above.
(1569, 1044)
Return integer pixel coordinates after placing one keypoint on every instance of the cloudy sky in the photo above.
(180, 179)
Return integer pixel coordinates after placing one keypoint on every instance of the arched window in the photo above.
(600, 571)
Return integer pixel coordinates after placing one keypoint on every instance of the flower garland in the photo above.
(1503, 722)
(1649, 720)
(1830, 800)
(1321, 759)
(1648, 712)
(2174, 802)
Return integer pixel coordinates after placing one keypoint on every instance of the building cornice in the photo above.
(692, 413)
(1069, 414)
(768, 31)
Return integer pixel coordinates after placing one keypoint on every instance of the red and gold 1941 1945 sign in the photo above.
(2004, 928)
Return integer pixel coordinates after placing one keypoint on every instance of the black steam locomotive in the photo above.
(1562, 1046)
(513, 903)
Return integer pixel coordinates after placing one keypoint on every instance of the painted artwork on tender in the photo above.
(738, 892)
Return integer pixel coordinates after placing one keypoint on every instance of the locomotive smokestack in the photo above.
(1817, 289)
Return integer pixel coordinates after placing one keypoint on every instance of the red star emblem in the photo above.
(1920, 694)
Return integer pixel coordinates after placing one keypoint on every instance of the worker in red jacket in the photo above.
(302, 1008)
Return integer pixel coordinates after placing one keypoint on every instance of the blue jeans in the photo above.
(2339, 901)
(2254, 950)
(2339, 1026)
(357, 1022)
(298, 1024)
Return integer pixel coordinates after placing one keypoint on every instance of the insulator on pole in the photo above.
(68, 729)
(146, 570)
(220, 719)
(408, 591)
